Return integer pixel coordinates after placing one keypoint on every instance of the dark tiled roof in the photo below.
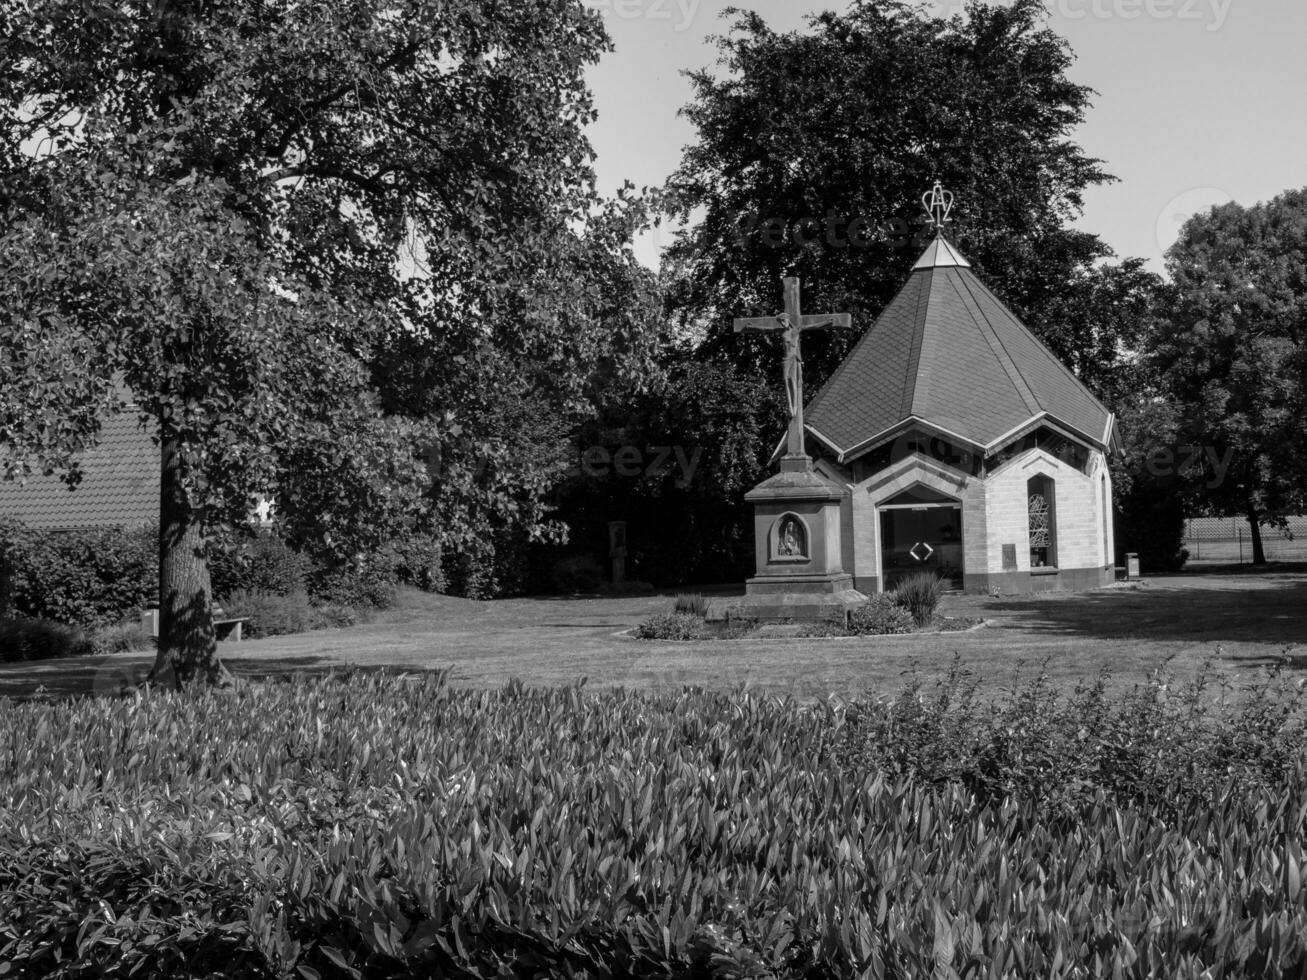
(119, 487)
(948, 352)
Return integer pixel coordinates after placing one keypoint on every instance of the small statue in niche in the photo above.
(791, 538)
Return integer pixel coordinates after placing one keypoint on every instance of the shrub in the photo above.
(263, 564)
(691, 605)
(269, 614)
(367, 582)
(126, 637)
(40, 639)
(579, 573)
(880, 616)
(919, 594)
(334, 616)
(672, 626)
(88, 578)
(279, 615)
(268, 566)
(419, 562)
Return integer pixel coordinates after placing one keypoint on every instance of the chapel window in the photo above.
(1042, 522)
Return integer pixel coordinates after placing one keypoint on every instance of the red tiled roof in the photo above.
(948, 353)
(119, 487)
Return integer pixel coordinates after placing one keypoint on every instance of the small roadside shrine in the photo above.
(949, 440)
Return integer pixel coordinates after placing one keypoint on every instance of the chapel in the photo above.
(958, 443)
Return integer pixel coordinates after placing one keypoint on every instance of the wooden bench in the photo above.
(224, 626)
(232, 627)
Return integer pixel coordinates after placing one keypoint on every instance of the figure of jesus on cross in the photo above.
(793, 323)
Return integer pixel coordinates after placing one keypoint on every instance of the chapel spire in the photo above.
(939, 254)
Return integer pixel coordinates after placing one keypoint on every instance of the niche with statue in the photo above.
(789, 539)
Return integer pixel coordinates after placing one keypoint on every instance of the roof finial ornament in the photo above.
(938, 203)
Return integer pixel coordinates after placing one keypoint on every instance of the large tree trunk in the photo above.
(1255, 527)
(188, 647)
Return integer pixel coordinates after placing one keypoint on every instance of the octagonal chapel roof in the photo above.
(947, 354)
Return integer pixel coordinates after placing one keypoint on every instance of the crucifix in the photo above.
(793, 323)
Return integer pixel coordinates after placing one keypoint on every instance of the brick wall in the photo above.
(1078, 521)
(893, 481)
(994, 512)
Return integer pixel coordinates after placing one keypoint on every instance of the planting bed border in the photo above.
(629, 634)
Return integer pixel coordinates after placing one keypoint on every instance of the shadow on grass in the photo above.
(1288, 662)
(285, 668)
(121, 674)
(68, 676)
(1276, 615)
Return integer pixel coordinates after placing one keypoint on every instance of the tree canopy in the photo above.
(238, 212)
(1231, 350)
(815, 147)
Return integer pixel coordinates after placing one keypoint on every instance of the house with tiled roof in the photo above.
(119, 485)
(961, 445)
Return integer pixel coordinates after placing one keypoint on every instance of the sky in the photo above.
(1198, 102)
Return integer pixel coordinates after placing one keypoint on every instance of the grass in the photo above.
(1246, 621)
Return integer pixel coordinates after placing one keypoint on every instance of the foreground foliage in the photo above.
(389, 827)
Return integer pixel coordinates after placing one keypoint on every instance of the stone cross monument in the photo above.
(797, 512)
(792, 322)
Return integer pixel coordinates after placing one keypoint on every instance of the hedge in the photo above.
(88, 578)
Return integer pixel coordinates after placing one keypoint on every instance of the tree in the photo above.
(674, 462)
(1231, 349)
(1148, 481)
(594, 325)
(814, 149)
(236, 209)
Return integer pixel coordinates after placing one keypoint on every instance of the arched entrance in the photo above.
(921, 530)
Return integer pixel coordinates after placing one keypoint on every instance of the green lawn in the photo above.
(1241, 621)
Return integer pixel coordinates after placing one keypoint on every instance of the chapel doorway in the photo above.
(919, 535)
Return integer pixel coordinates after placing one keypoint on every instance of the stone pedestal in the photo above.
(800, 573)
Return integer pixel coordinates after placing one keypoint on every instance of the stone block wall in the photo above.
(1078, 521)
(882, 486)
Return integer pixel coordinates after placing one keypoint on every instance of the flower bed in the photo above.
(390, 827)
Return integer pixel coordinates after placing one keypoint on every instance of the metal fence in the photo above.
(1228, 540)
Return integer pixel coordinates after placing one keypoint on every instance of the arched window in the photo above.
(1041, 511)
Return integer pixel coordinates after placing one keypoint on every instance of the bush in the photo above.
(334, 616)
(419, 562)
(691, 605)
(880, 616)
(672, 626)
(270, 614)
(127, 637)
(88, 578)
(579, 573)
(263, 564)
(372, 829)
(279, 615)
(919, 594)
(40, 639)
(367, 582)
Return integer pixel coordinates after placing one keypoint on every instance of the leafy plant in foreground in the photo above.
(377, 826)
